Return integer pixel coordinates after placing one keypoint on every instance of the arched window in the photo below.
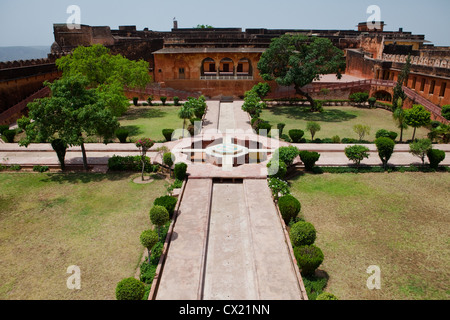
(244, 67)
(226, 67)
(208, 67)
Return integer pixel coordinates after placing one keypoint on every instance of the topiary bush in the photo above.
(130, 164)
(326, 296)
(446, 111)
(386, 134)
(176, 101)
(435, 157)
(167, 133)
(287, 154)
(385, 147)
(264, 126)
(280, 127)
(309, 258)
(302, 234)
(278, 171)
(168, 159)
(130, 289)
(135, 101)
(167, 202)
(180, 171)
(159, 216)
(296, 135)
(309, 159)
(122, 134)
(9, 135)
(3, 128)
(163, 100)
(289, 208)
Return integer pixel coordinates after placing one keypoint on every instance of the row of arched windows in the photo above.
(226, 67)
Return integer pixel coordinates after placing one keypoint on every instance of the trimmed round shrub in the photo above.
(122, 134)
(167, 202)
(302, 234)
(287, 154)
(309, 159)
(264, 126)
(130, 289)
(9, 135)
(280, 128)
(277, 172)
(435, 156)
(168, 159)
(167, 133)
(326, 296)
(386, 134)
(180, 171)
(289, 207)
(385, 147)
(163, 100)
(159, 215)
(3, 128)
(149, 239)
(296, 135)
(309, 258)
(176, 101)
(135, 101)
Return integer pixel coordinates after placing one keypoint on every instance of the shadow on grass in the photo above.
(133, 130)
(304, 113)
(82, 177)
(143, 113)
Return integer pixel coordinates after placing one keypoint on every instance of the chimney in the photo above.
(175, 24)
(400, 30)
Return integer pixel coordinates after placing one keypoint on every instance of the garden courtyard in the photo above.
(49, 222)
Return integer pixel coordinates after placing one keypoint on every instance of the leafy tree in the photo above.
(71, 114)
(441, 133)
(417, 117)
(144, 145)
(296, 60)
(313, 127)
(402, 79)
(357, 154)
(108, 73)
(253, 104)
(159, 216)
(385, 147)
(420, 148)
(186, 112)
(261, 89)
(400, 117)
(446, 111)
(149, 239)
(361, 131)
(204, 26)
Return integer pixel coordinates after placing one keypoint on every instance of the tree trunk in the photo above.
(401, 134)
(149, 254)
(143, 166)
(85, 163)
(414, 134)
(307, 96)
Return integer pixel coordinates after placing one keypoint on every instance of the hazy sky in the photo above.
(30, 22)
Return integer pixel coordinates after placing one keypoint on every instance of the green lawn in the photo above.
(49, 222)
(148, 121)
(398, 221)
(336, 121)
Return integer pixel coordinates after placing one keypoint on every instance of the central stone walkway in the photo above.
(228, 241)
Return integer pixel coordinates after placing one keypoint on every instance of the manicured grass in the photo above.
(149, 121)
(49, 222)
(397, 221)
(336, 121)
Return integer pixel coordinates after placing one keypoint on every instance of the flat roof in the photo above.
(210, 50)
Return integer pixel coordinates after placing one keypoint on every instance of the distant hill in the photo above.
(23, 53)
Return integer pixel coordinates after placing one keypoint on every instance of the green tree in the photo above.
(357, 154)
(420, 149)
(313, 128)
(446, 111)
(159, 216)
(296, 60)
(385, 147)
(71, 114)
(402, 79)
(361, 131)
(253, 104)
(108, 73)
(400, 117)
(186, 112)
(261, 89)
(417, 117)
(144, 145)
(149, 239)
